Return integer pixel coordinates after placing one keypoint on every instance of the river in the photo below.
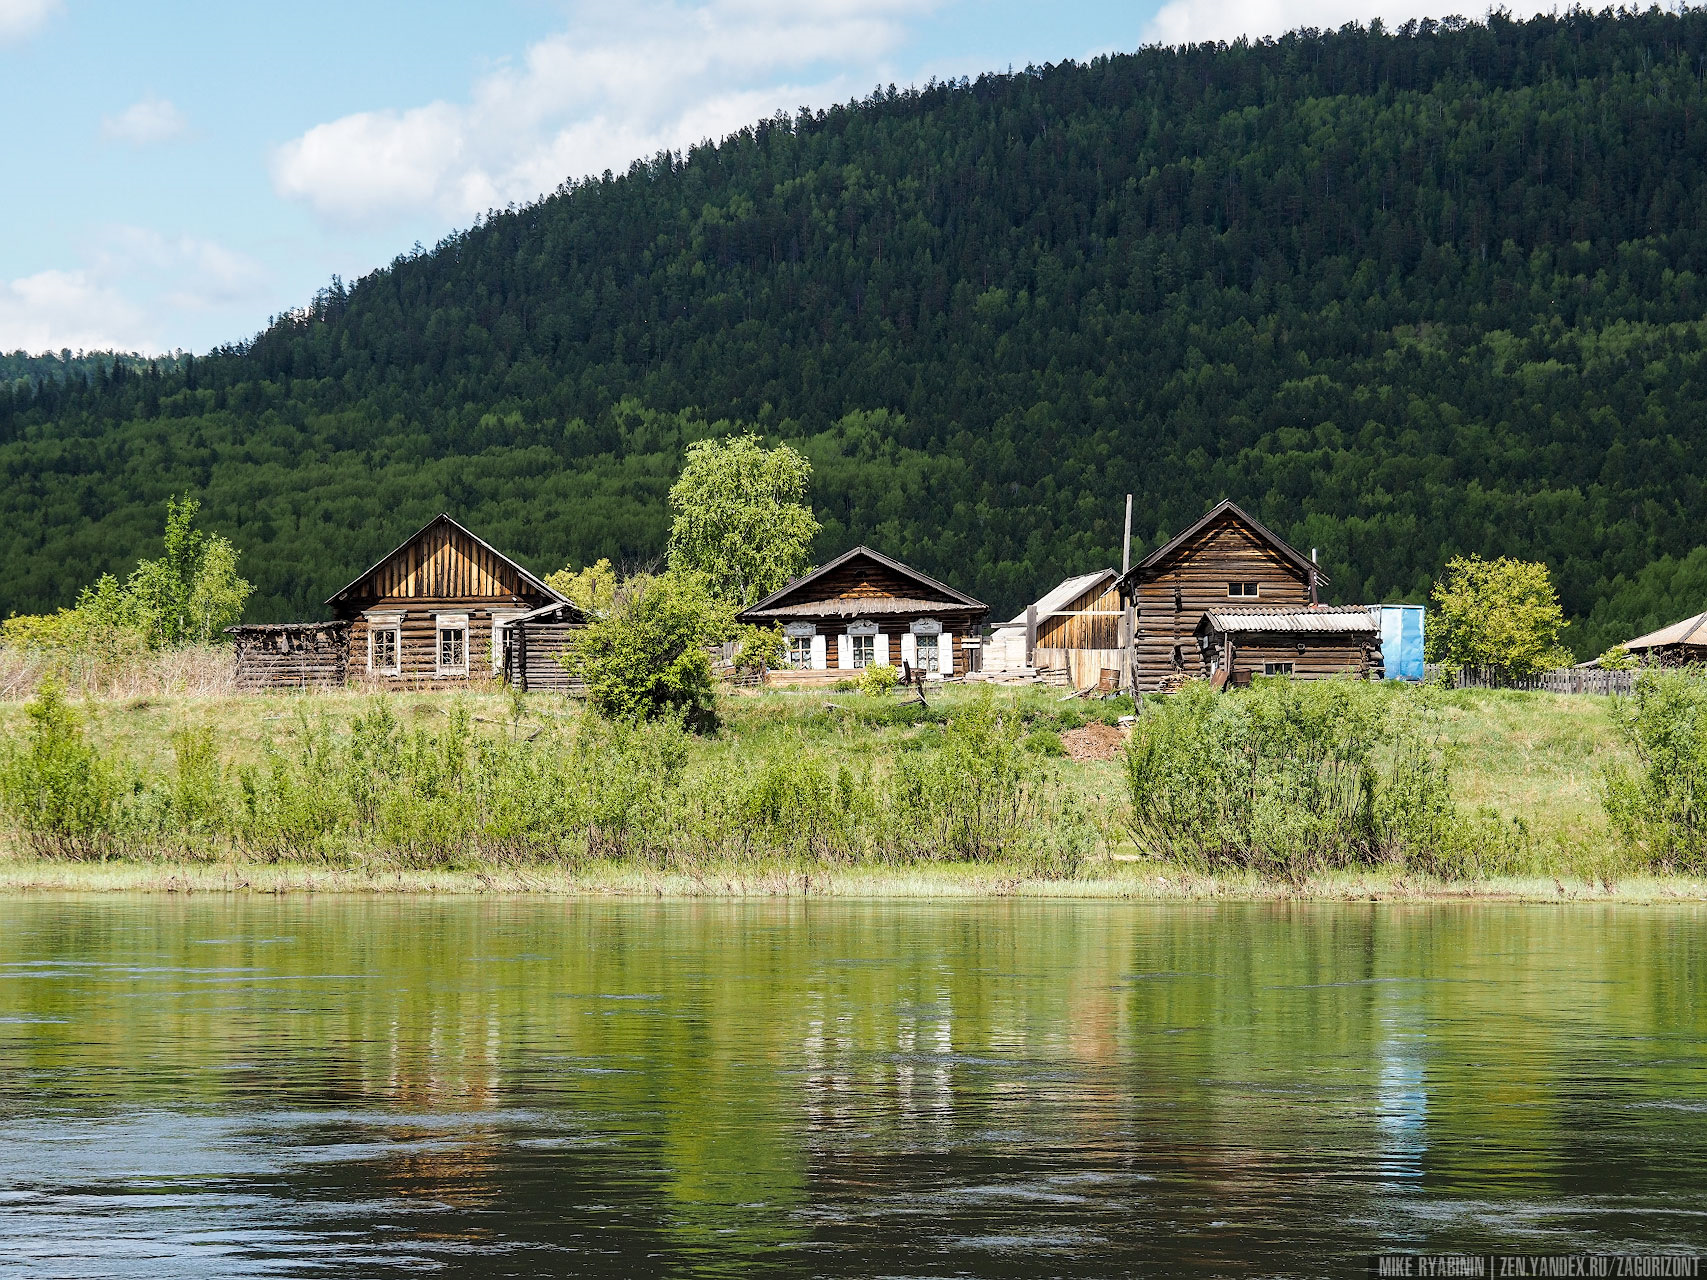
(334, 1086)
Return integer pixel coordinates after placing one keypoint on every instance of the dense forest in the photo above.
(1406, 293)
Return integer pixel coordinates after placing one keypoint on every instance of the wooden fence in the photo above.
(1563, 680)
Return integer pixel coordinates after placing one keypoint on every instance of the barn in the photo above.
(865, 609)
(432, 612)
(1226, 560)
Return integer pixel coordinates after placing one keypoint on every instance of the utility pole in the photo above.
(1128, 622)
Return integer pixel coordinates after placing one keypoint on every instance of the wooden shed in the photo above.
(428, 613)
(1679, 645)
(533, 646)
(1310, 643)
(291, 655)
(1226, 560)
(864, 609)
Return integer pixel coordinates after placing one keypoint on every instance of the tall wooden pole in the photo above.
(1128, 623)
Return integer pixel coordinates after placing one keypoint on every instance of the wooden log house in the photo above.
(433, 612)
(1682, 644)
(1226, 560)
(865, 609)
(533, 647)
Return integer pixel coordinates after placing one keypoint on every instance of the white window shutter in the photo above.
(909, 649)
(881, 654)
(945, 653)
(844, 652)
(820, 656)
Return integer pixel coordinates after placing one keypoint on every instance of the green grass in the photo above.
(1531, 757)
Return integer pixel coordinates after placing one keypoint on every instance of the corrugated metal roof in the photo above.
(1690, 630)
(1340, 620)
(1065, 594)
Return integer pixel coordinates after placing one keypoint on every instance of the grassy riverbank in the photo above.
(763, 806)
(1120, 879)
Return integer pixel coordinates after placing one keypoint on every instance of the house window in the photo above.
(1277, 668)
(453, 645)
(1239, 589)
(927, 652)
(385, 645)
(800, 652)
(864, 651)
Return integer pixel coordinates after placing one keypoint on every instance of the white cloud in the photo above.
(19, 18)
(54, 309)
(1188, 21)
(96, 306)
(596, 96)
(150, 120)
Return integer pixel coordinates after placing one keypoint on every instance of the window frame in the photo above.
(934, 665)
(389, 622)
(1275, 669)
(1244, 590)
(800, 652)
(443, 624)
(867, 640)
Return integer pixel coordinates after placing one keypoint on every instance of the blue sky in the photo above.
(178, 172)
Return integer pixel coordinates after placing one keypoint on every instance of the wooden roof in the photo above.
(1158, 560)
(1691, 631)
(421, 566)
(796, 599)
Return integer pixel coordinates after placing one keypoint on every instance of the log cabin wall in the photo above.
(534, 652)
(1322, 656)
(1173, 601)
(291, 656)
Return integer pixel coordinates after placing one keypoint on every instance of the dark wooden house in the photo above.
(433, 612)
(1682, 644)
(864, 609)
(1308, 643)
(291, 655)
(1225, 560)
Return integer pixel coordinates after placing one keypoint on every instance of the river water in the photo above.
(368, 1087)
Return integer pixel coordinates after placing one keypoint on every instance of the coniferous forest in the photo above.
(1404, 293)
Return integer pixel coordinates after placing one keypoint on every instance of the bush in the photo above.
(647, 657)
(61, 792)
(977, 796)
(1658, 810)
(878, 681)
(1290, 778)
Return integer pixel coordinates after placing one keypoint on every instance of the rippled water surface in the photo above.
(364, 1087)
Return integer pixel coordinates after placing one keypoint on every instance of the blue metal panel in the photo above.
(1402, 641)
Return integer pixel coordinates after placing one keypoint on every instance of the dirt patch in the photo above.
(1094, 742)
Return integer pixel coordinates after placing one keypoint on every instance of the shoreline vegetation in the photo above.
(1335, 791)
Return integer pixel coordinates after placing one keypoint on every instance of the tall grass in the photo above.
(381, 793)
(118, 671)
(1291, 779)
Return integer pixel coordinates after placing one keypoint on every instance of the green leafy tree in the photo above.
(648, 658)
(192, 591)
(594, 588)
(741, 518)
(761, 648)
(1501, 614)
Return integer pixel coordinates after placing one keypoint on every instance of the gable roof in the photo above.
(1150, 563)
(1065, 593)
(480, 542)
(777, 600)
(1690, 630)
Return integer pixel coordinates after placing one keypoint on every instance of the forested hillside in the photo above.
(1404, 293)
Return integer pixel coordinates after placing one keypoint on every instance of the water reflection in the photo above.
(361, 1087)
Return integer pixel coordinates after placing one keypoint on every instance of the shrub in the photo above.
(977, 795)
(1659, 809)
(1290, 778)
(647, 657)
(62, 793)
(878, 681)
